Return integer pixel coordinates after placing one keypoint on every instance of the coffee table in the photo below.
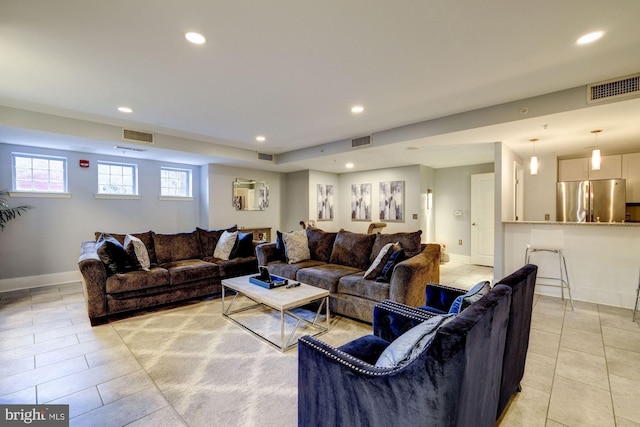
(282, 299)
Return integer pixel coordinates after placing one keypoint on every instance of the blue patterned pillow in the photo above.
(473, 295)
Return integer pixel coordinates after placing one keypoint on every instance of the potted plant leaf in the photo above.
(8, 213)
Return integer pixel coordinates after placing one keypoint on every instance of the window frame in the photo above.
(189, 182)
(135, 188)
(39, 192)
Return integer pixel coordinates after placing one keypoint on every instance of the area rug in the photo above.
(213, 372)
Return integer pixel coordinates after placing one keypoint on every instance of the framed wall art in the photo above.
(392, 201)
(361, 202)
(325, 202)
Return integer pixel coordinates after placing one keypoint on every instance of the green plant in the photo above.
(8, 213)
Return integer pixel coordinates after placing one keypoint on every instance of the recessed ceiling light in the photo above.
(349, 165)
(357, 109)
(260, 138)
(125, 110)
(590, 38)
(195, 38)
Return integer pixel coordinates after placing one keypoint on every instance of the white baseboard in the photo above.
(462, 259)
(27, 282)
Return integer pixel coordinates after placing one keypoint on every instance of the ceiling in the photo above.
(291, 70)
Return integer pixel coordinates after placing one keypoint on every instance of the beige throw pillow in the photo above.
(296, 246)
(225, 245)
(138, 251)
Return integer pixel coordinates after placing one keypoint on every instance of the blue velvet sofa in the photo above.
(454, 380)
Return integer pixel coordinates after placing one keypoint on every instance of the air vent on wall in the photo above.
(137, 136)
(616, 88)
(265, 157)
(361, 142)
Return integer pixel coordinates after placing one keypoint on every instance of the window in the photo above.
(43, 174)
(175, 182)
(117, 178)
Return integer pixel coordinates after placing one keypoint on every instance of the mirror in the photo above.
(250, 195)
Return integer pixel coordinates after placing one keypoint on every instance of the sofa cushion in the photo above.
(190, 270)
(112, 254)
(225, 245)
(352, 249)
(243, 247)
(280, 246)
(137, 280)
(356, 285)
(320, 243)
(238, 266)
(324, 276)
(209, 239)
(146, 238)
(410, 242)
(137, 252)
(177, 247)
(296, 246)
(409, 345)
(474, 294)
(380, 261)
(290, 271)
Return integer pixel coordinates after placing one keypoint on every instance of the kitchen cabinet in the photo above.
(631, 172)
(573, 169)
(610, 168)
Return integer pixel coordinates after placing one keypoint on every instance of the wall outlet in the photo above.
(415, 216)
(460, 242)
(547, 217)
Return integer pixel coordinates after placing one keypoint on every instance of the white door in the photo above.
(482, 217)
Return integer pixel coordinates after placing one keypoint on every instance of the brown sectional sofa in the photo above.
(338, 263)
(182, 267)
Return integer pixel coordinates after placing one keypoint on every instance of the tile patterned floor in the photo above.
(583, 366)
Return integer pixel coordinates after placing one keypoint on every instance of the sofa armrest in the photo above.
(94, 276)
(392, 319)
(266, 253)
(409, 278)
(441, 297)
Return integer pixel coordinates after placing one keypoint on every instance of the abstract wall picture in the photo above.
(392, 201)
(361, 202)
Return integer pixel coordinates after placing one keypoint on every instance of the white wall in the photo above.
(453, 193)
(540, 189)
(46, 240)
(221, 212)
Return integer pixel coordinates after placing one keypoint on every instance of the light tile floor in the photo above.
(583, 366)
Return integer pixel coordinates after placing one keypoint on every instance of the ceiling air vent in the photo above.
(363, 141)
(616, 88)
(137, 136)
(266, 157)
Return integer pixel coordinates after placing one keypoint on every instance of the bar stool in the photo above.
(635, 310)
(551, 241)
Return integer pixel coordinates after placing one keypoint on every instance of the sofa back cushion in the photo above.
(320, 243)
(353, 249)
(146, 238)
(209, 239)
(410, 242)
(177, 247)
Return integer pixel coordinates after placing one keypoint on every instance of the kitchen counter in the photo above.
(603, 259)
(598, 224)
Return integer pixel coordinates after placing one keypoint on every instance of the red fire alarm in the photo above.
(84, 163)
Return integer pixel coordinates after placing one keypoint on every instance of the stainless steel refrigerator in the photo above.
(601, 200)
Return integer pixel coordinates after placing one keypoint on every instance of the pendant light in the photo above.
(533, 163)
(595, 154)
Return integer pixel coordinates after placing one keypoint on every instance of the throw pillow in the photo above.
(410, 242)
(479, 290)
(378, 264)
(280, 246)
(244, 246)
(413, 342)
(396, 257)
(320, 243)
(225, 245)
(137, 252)
(112, 254)
(209, 238)
(296, 246)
